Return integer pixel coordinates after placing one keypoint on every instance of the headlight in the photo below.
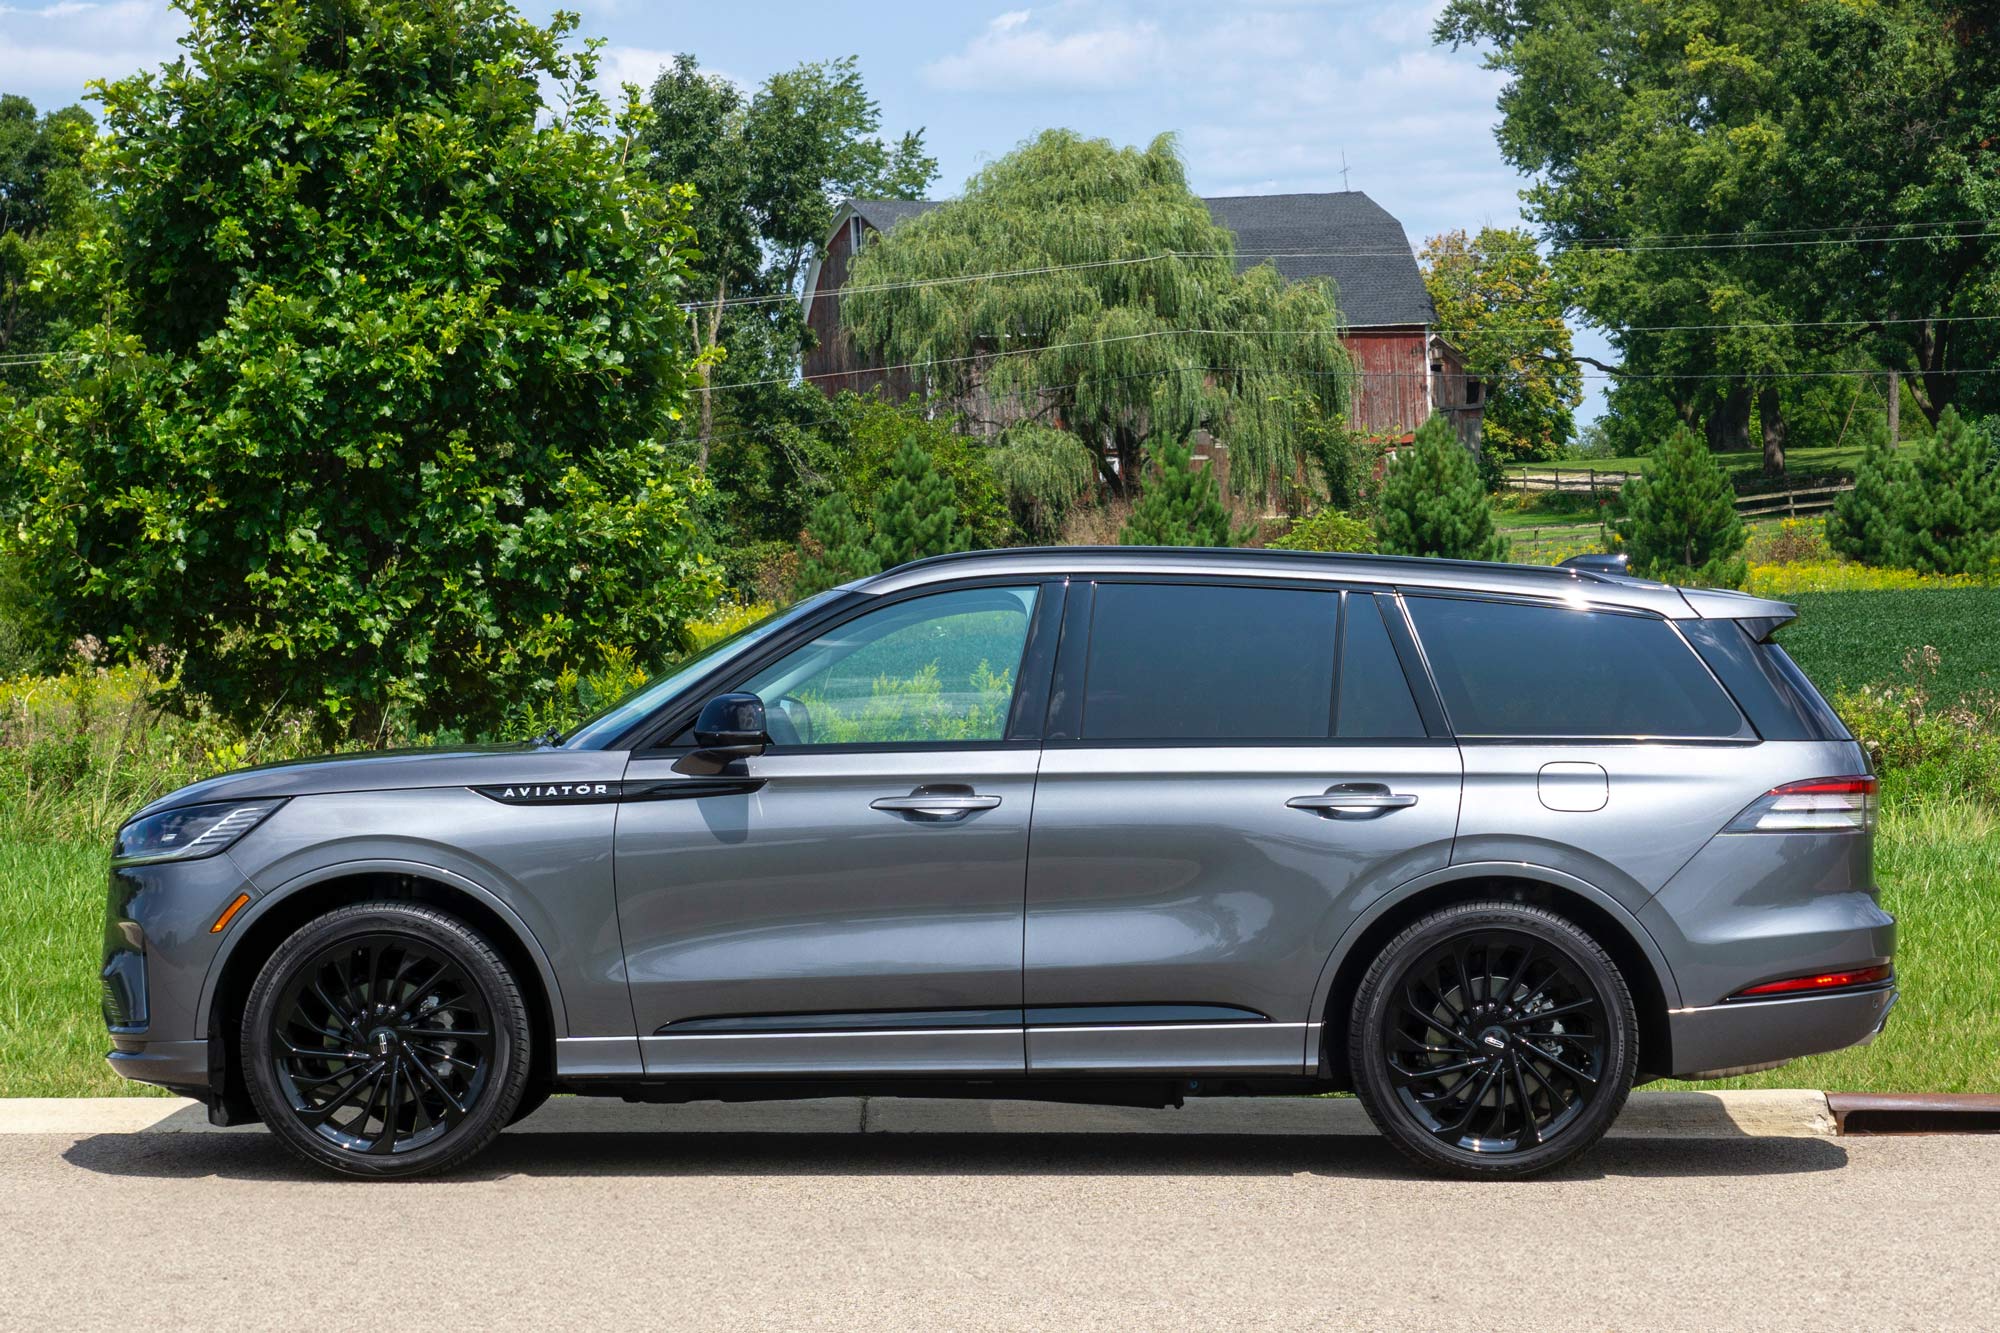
(190, 832)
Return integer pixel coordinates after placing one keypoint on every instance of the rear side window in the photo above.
(1781, 702)
(1514, 670)
(1209, 662)
(1375, 702)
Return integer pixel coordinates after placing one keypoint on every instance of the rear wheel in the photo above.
(386, 1039)
(1493, 1040)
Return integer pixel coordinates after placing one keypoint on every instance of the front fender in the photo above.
(287, 891)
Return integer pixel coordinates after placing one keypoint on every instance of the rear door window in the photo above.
(1209, 662)
(1509, 669)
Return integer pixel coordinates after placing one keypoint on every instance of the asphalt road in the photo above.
(723, 1230)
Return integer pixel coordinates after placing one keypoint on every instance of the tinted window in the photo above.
(932, 669)
(1375, 697)
(1506, 669)
(1186, 662)
(1770, 688)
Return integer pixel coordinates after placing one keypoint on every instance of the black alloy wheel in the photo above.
(386, 1039)
(1494, 1039)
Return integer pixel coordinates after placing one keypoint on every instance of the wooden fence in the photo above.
(1789, 504)
(1580, 480)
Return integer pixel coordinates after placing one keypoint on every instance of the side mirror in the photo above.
(731, 727)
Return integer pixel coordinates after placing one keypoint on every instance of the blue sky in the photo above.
(1267, 96)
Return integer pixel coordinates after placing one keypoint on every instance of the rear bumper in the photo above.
(1761, 1032)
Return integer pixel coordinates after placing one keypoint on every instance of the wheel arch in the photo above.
(275, 915)
(1630, 945)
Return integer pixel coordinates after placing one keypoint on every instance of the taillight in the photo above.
(1819, 805)
(1859, 976)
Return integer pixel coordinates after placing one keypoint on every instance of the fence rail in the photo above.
(1790, 504)
(1580, 480)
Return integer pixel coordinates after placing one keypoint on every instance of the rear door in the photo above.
(1216, 804)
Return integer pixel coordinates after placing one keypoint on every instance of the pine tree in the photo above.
(1866, 523)
(1951, 509)
(915, 516)
(836, 549)
(1432, 502)
(1680, 521)
(1179, 507)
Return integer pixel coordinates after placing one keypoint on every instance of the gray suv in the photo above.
(1484, 844)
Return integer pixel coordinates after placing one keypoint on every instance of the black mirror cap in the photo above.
(1617, 562)
(731, 721)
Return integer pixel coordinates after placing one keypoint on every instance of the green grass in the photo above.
(52, 1040)
(1844, 640)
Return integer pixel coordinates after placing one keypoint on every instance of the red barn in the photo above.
(1404, 372)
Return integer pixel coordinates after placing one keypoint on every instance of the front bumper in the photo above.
(180, 1065)
(1720, 1037)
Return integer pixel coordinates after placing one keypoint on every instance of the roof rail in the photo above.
(1566, 574)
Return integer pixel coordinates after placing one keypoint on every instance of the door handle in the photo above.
(936, 805)
(1368, 801)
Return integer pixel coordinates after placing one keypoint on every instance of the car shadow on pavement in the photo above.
(665, 1155)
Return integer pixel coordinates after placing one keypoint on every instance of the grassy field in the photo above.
(1844, 640)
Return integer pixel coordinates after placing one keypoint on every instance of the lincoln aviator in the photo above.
(1485, 845)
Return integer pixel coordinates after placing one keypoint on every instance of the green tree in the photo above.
(1130, 327)
(1773, 176)
(1933, 506)
(836, 550)
(1866, 522)
(373, 416)
(1432, 503)
(1180, 506)
(769, 170)
(1327, 530)
(914, 513)
(1500, 305)
(42, 190)
(1680, 522)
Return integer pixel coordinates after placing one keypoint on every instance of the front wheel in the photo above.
(386, 1039)
(1493, 1040)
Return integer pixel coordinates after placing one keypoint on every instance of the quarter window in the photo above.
(930, 670)
(1375, 702)
(1510, 669)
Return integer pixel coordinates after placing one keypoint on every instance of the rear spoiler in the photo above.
(1761, 617)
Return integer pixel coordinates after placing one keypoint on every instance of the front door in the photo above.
(1215, 807)
(850, 901)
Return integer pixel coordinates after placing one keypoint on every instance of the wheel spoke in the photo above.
(1568, 1069)
(392, 1111)
(1574, 1006)
(369, 1077)
(1528, 956)
(1529, 1129)
(453, 1109)
(1406, 1077)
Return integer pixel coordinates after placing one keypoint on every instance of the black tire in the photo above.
(1493, 1040)
(386, 1039)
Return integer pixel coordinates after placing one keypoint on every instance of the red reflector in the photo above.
(1856, 786)
(1862, 976)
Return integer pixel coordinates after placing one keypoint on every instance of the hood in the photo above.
(390, 770)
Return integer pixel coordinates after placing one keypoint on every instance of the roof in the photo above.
(1375, 270)
(1582, 587)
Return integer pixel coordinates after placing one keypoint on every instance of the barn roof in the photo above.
(1343, 235)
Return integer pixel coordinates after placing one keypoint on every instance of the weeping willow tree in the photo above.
(1119, 319)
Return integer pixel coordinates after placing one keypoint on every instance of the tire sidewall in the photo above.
(506, 1081)
(1379, 988)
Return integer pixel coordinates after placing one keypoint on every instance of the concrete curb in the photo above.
(1776, 1113)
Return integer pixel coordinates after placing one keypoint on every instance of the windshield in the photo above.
(606, 727)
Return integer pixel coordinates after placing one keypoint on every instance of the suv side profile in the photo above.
(1485, 844)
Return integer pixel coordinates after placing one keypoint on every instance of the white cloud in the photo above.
(49, 51)
(1014, 53)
